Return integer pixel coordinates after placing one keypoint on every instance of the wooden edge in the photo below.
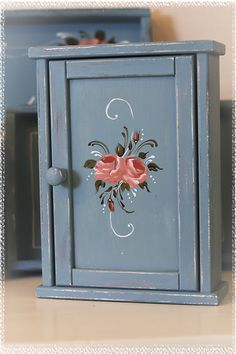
(128, 295)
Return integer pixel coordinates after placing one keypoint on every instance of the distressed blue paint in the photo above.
(209, 170)
(133, 67)
(125, 279)
(60, 127)
(131, 295)
(175, 106)
(44, 137)
(137, 49)
(187, 174)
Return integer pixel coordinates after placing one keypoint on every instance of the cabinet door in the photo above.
(124, 131)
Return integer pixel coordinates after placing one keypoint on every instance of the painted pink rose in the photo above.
(89, 41)
(134, 171)
(109, 168)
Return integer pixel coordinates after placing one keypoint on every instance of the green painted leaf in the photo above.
(99, 183)
(120, 150)
(144, 185)
(153, 167)
(143, 155)
(90, 163)
(125, 186)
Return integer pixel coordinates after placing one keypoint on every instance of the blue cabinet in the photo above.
(130, 172)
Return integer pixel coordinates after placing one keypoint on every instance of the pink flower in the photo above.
(134, 171)
(89, 41)
(109, 168)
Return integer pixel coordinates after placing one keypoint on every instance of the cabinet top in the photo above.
(131, 49)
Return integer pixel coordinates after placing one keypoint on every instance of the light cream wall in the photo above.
(199, 22)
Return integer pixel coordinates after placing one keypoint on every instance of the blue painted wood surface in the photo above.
(178, 224)
(62, 194)
(134, 295)
(47, 242)
(136, 49)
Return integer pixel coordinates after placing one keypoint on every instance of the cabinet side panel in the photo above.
(215, 169)
(209, 170)
(44, 164)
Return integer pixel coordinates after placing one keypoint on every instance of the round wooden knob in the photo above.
(55, 176)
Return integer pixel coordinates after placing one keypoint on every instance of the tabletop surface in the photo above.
(51, 321)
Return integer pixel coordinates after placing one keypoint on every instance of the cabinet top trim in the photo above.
(132, 49)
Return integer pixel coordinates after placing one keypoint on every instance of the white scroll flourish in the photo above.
(116, 116)
(118, 235)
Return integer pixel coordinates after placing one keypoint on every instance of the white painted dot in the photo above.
(116, 115)
(128, 194)
(150, 176)
(141, 139)
(142, 134)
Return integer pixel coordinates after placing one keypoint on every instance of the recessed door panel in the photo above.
(120, 127)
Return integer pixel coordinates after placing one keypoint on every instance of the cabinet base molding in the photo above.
(128, 295)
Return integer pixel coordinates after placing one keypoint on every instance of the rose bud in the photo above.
(111, 205)
(136, 137)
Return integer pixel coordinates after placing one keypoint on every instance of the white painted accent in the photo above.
(96, 153)
(134, 194)
(149, 159)
(118, 235)
(116, 115)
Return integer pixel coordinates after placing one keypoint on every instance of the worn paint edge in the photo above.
(128, 295)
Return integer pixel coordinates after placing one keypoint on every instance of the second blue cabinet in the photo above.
(129, 172)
